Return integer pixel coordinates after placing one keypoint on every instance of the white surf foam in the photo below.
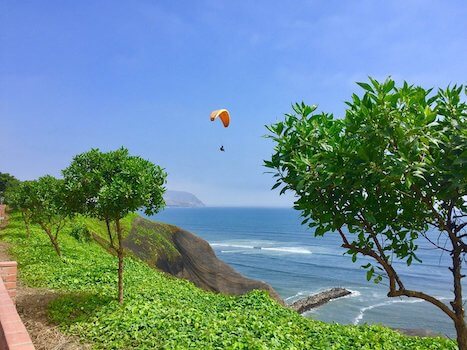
(353, 293)
(359, 317)
(291, 250)
(294, 250)
(231, 245)
(299, 294)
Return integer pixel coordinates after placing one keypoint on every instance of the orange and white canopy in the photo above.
(223, 115)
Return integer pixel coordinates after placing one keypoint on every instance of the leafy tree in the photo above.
(6, 181)
(383, 177)
(42, 202)
(18, 197)
(108, 186)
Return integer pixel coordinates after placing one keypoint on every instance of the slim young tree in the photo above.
(108, 186)
(42, 202)
(387, 174)
(18, 198)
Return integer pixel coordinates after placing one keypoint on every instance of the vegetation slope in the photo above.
(162, 312)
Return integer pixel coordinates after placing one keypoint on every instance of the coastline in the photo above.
(294, 274)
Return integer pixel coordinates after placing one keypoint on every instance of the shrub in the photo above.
(80, 232)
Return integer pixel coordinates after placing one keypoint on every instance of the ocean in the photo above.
(271, 245)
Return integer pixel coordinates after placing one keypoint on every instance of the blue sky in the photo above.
(145, 75)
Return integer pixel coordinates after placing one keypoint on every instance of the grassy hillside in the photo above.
(150, 248)
(162, 312)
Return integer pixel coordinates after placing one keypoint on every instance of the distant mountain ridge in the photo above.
(182, 199)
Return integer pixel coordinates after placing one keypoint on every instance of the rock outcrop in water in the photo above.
(318, 299)
(188, 256)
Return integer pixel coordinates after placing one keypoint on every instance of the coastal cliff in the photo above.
(185, 255)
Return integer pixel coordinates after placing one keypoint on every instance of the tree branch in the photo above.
(434, 244)
(369, 252)
(424, 296)
(387, 266)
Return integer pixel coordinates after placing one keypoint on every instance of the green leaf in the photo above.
(366, 86)
(369, 274)
(430, 115)
(389, 85)
(277, 184)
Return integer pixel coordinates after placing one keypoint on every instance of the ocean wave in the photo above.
(231, 245)
(291, 250)
(362, 311)
(285, 272)
(353, 293)
(297, 295)
(295, 250)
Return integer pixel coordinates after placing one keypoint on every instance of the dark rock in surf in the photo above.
(318, 299)
(185, 255)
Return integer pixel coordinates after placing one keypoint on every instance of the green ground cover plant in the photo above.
(163, 312)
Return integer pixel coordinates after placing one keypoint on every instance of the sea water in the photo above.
(271, 245)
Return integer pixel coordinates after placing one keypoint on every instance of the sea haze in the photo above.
(270, 245)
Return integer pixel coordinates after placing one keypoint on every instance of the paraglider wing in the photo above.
(223, 115)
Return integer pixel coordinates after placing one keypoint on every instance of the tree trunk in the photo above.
(107, 224)
(458, 304)
(461, 332)
(120, 261)
(54, 242)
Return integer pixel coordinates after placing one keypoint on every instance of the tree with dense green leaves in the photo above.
(108, 186)
(42, 202)
(386, 175)
(6, 181)
(18, 197)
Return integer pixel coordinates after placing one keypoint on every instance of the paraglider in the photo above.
(224, 116)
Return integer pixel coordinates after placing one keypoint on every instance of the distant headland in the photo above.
(182, 199)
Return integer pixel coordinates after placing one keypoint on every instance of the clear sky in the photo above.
(145, 75)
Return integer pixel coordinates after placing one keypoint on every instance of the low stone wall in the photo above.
(8, 271)
(13, 333)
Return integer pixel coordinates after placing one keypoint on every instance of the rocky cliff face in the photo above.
(185, 255)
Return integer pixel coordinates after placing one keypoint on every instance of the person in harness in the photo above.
(224, 117)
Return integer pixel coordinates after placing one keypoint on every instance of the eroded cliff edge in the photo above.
(185, 255)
